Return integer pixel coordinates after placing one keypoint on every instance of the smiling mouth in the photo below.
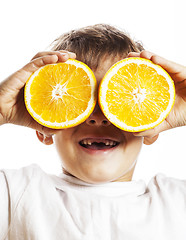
(98, 144)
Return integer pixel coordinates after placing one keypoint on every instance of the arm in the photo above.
(12, 107)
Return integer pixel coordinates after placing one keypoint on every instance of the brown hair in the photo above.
(93, 42)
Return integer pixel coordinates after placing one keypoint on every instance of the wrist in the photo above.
(2, 119)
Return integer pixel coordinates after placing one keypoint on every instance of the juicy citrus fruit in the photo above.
(61, 95)
(136, 94)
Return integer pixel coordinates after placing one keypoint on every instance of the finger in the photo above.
(146, 54)
(44, 130)
(18, 79)
(44, 53)
(176, 71)
(70, 54)
(142, 54)
(133, 54)
(58, 53)
(171, 67)
(150, 140)
(23, 74)
(48, 131)
(39, 62)
(155, 131)
(148, 133)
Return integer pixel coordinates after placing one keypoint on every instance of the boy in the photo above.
(94, 198)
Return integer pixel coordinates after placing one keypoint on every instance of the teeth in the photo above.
(89, 142)
(111, 143)
(106, 142)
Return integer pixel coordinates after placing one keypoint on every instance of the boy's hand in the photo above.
(12, 106)
(177, 116)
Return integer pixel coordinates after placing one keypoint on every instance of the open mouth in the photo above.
(98, 144)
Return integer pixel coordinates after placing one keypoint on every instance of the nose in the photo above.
(97, 118)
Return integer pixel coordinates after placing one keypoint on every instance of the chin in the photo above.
(98, 177)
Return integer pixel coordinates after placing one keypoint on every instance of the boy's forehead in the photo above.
(104, 65)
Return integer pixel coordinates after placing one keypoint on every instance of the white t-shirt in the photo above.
(38, 206)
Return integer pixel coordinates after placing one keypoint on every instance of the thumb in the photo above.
(42, 129)
(18, 79)
(154, 131)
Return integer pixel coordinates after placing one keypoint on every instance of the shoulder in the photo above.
(163, 182)
(22, 175)
(168, 188)
(17, 181)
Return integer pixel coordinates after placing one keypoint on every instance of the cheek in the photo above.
(64, 145)
(133, 147)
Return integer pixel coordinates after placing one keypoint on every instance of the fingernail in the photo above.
(72, 53)
(137, 134)
(63, 54)
(50, 135)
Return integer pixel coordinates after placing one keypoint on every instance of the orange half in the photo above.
(61, 95)
(136, 94)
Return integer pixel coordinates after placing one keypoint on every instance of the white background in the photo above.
(27, 27)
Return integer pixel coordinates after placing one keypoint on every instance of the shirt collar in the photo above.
(65, 183)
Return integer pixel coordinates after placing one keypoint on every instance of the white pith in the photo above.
(59, 91)
(139, 95)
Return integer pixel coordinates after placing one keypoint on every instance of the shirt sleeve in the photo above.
(13, 184)
(168, 192)
(4, 206)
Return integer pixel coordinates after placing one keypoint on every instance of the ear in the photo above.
(150, 140)
(48, 140)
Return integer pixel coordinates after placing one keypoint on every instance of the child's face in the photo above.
(97, 151)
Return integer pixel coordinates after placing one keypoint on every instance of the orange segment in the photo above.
(136, 95)
(61, 95)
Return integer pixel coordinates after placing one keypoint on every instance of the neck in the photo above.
(126, 177)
